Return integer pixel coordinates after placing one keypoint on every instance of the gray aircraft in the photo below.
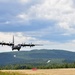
(18, 46)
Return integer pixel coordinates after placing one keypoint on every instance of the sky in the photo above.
(47, 22)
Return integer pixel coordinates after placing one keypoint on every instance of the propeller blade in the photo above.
(38, 44)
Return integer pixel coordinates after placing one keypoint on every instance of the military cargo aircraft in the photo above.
(18, 46)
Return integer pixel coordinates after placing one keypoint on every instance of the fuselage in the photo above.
(16, 47)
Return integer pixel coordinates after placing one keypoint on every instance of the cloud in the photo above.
(7, 36)
(54, 10)
(41, 21)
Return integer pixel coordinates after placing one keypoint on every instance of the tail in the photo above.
(13, 43)
(13, 40)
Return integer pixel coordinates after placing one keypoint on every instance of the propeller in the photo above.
(23, 44)
(9, 43)
(38, 44)
(30, 44)
(2, 43)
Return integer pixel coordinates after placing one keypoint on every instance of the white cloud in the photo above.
(23, 17)
(64, 25)
(61, 11)
(51, 9)
(19, 37)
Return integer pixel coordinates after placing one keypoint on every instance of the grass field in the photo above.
(39, 72)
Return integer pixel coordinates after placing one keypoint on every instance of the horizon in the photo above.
(47, 22)
(37, 50)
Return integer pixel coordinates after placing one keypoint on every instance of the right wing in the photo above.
(8, 44)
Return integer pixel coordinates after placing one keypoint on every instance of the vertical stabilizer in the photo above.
(13, 39)
(13, 43)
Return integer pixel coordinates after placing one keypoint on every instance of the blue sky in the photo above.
(49, 22)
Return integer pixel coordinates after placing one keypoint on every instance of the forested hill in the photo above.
(37, 56)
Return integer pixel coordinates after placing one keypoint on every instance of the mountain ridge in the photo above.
(37, 56)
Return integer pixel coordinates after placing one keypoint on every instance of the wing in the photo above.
(30, 45)
(8, 44)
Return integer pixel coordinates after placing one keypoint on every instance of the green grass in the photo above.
(8, 73)
(15, 73)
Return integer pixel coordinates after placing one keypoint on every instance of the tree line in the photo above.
(38, 66)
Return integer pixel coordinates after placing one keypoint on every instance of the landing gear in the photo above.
(18, 49)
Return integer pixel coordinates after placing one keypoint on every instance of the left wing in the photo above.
(8, 44)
